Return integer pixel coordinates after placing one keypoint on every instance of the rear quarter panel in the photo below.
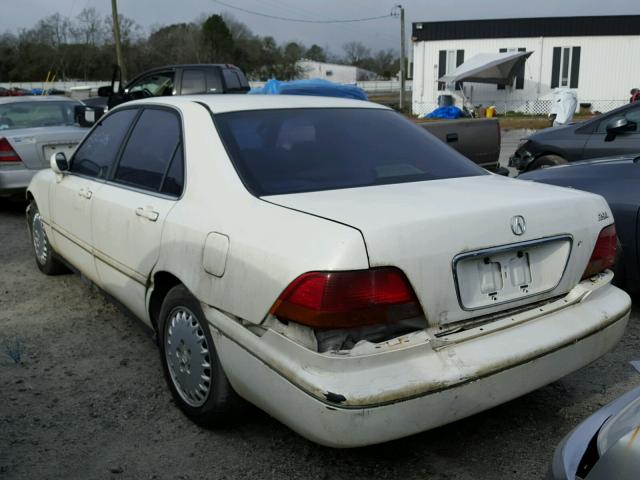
(268, 245)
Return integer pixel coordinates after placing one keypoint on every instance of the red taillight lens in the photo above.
(604, 253)
(7, 153)
(348, 299)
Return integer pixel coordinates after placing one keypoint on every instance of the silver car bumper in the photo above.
(15, 180)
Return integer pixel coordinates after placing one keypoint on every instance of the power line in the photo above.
(300, 20)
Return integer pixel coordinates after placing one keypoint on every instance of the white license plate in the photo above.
(495, 276)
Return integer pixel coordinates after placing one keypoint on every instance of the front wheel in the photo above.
(190, 362)
(546, 161)
(46, 259)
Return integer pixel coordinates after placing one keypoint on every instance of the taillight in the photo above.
(604, 253)
(7, 153)
(348, 299)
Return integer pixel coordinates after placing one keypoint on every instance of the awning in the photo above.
(496, 68)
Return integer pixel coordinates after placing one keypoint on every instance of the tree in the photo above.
(355, 53)
(217, 40)
(315, 52)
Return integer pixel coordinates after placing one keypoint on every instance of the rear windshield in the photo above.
(36, 114)
(303, 150)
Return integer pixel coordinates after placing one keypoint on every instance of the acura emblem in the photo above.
(518, 225)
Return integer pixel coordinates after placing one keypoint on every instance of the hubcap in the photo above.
(40, 243)
(187, 355)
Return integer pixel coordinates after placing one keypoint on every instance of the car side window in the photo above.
(631, 114)
(193, 81)
(155, 85)
(97, 153)
(150, 150)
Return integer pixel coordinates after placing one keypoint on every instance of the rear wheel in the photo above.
(46, 259)
(190, 362)
(547, 161)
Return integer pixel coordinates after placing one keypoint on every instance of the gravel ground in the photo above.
(88, 401)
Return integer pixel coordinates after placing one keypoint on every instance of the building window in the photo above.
(519, 80)
(448, 61)
(329, 73)
(565, 67)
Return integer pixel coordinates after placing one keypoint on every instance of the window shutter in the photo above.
(442, 67)
(502, 87)
(555, 68)
(575, 67)
(520, 76)
(459, 61)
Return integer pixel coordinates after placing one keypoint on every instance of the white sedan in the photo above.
(330, 262)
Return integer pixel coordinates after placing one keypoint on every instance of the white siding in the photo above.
(609, 68)
(334, 72)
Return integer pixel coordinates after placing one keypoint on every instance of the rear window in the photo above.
(36, 114)
(304, 150)
(234, 80)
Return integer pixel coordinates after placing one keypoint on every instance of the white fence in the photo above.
(370, 86)
(528, 107)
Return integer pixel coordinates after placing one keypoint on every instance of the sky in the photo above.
(376, 34)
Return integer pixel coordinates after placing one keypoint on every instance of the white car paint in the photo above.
(236, 253)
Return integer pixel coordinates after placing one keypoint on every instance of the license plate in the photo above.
(494, 276)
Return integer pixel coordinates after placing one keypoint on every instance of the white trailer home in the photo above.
(597, 57)
(334, 72)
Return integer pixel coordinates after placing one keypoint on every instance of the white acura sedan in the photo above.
(330, 262)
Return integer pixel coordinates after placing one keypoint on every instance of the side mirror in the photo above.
(87, 116)
(617, 125)
(105, 91)
(59, 163)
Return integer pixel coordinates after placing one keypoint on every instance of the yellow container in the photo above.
(491, 112)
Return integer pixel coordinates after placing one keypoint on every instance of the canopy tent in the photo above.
(495, 68)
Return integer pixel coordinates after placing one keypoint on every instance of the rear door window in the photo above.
(149, 152)
(97, 153)
(193, 82)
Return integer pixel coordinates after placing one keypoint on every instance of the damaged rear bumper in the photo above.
(415, 383)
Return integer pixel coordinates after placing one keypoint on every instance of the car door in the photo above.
(600, 144)
(156, 84)
(129, 210)
(73, 194)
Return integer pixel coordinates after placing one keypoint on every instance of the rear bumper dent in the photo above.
(353, 401)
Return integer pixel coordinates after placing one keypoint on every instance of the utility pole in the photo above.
(403, 73)
(116, 36)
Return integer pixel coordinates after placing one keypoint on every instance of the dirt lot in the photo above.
(88, 401)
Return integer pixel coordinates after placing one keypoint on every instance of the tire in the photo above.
(46, 259)
(181, 328)
(547, 161)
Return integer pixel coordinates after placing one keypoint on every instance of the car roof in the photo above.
(38, 98)
(235, 103)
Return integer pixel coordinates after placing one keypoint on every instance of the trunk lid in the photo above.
(454, 240)
(35, 145)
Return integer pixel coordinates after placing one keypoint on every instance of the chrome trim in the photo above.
(98, 255)
(504, 248)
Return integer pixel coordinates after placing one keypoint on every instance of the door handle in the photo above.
(147, 213)
(85, 192)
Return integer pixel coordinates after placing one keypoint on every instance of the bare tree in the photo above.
(355, 53)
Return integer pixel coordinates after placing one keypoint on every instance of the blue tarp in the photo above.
(449, 112)
(315, 86)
